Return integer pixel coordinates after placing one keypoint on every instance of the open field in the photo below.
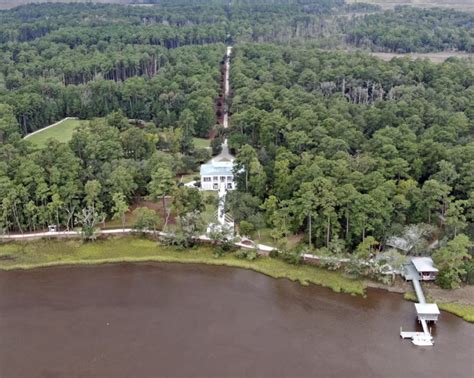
(62, 132)
(388, 4)
(133, 249)
(435, 57)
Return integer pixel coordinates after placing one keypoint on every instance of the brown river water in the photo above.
(172, 320)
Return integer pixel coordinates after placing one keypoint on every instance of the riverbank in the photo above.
(128, 249)
(463, 310)
(46, 253)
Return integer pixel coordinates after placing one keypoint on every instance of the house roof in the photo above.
(423, 264)
(426, 308)
(216, 168)
(399, 243)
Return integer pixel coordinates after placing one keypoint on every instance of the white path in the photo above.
(227, 85)
(119, 231)
(221, 216)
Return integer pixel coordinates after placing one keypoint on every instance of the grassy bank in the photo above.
(62, 132)
(462, 310)
(131, 249)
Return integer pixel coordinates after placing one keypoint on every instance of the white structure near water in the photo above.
(424, 267)
(421, 269)
(217, 174)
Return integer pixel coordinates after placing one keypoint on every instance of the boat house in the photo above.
(427, 311)
(424, 267)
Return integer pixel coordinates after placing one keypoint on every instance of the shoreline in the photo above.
(92, 254)
(123, 250)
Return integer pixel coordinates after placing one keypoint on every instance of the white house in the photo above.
(216, 174)
(424, 267)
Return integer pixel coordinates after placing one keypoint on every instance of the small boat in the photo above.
(424, 340)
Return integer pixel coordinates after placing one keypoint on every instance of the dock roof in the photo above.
(427, 308)
(423, 264)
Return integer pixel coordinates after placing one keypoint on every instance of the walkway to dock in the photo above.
(425, 311)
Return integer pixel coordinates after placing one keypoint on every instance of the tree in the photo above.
(89, 218)
(121, 180)
(366, 248)
(450, 261)
(161, 184)
(246, 228)
(435, 196)
(242, 166)
(119, 208)
(92, 191)
(186, 200)
(145, 219)
(455, 217)
(190, 226)
(305, 205)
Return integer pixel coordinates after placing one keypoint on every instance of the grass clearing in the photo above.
(44, 253)
(189, 177)
(62, 132)
(202, 143)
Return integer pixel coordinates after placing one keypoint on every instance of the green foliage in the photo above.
(129, 249)
(450, 261)
(186, 200)
(346, 148)
(246, 228)
(189, 227)
(119, 208)
(88, 219)
(469, 268)
(366, 248)
(408, 29)
(246, 254)
(290, 256)
(145, 219)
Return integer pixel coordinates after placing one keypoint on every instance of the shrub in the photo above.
(469, 277)
(248, 254)
(291, 257)
(246, 228)
(274, 253)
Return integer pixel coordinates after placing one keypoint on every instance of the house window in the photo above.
(207, 179)
(222, 178)
(229, 178)
(229, 185)
(215, 186)
(215, 178)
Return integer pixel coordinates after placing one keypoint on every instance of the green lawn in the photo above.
(134, 249)
(61, 132)
(189, 177)
(201, 143)
(209, 214)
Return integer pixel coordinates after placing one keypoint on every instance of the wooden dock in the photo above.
(425, 311)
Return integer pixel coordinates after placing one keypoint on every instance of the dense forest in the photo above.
(349, 145)
(407, 29)
(87, 60)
